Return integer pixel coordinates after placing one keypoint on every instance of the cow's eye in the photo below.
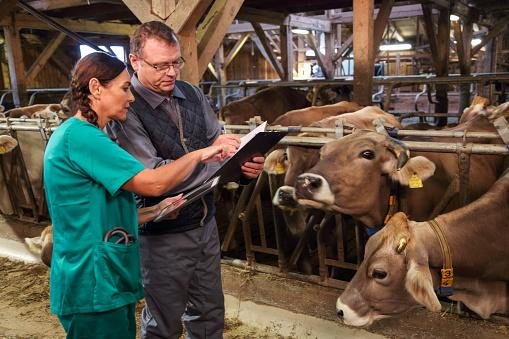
(368, 154)
(379, 274)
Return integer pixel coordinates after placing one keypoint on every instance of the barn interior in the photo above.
(425, 60)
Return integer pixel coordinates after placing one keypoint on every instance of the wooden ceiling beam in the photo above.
(309, 23)
(246, 27)
(49, 5)
(7, 7)
(42, 59)
(141, 9)
(382, 18)
(82, 26)
(210, 33)
(187, 14)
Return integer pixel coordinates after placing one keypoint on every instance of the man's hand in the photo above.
(252, 169)
(227, 139)
(216, 153)
(171, 203)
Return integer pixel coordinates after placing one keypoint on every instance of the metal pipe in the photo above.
(43, 17)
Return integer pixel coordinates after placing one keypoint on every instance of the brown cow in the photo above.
(402, 263)
(352, 177)
(268, 104)
(307, 116)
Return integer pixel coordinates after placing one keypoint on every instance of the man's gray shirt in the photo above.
(132, 136)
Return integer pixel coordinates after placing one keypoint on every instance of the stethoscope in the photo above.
(121, 233)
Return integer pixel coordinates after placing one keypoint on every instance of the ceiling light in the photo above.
(300, 31)
(310, 53)
(453, 17)
(476, 41)
(395, 47)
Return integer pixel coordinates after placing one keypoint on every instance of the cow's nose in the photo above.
(309, 182)
(340, 314)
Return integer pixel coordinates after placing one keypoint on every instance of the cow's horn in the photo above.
(400, 150)
(401, 245)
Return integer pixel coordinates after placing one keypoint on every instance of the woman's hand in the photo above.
(216, 153)
(171, 203)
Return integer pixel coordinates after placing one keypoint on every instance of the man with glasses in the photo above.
(180, 258)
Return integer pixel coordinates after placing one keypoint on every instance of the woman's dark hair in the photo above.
(151, 29)
(101, 66)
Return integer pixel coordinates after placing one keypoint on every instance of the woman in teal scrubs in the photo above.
(89, 180)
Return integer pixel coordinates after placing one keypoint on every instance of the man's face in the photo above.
(156, 65)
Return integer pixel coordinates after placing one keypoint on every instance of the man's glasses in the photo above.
(163, 68)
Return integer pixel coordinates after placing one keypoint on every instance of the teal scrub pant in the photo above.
(118, 323)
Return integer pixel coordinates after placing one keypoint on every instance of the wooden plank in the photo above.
(14, 55)
(7, 7)
(210, 33)
(322, 60)
(286, 47)
(236, 49)
(82, 26)
(141, 9)
(494, 32)
(363, 51)
(381, 21)
(38, 64)
(347, 44)
(398, 12)
(266, 50)
(162, 8)
(187, 14)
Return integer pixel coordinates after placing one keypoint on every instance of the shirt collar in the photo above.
(153, 99)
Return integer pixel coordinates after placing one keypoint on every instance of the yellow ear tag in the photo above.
(3, 149)
(415, 181)
(280, 168)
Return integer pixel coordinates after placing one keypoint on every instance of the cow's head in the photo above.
(354, 173)
(393, 278)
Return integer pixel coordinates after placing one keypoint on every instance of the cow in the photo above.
(268, 104)
(40, 110)
(356, 173)
(297, 159)
(307, 116)
(401, 267)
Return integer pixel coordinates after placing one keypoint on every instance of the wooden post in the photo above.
(286, 52)
(15, 60)
(189, 49)
(363, 50)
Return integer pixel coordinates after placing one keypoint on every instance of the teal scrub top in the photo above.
(83, 174)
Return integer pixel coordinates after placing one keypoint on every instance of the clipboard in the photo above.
(260, 144)
(190, 197)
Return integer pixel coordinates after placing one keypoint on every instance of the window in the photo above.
(118, 50)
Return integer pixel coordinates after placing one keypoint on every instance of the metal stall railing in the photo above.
(247, 207)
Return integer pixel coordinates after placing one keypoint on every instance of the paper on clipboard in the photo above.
(246, 138)
(190, 197)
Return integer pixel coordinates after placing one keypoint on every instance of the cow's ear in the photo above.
(418, 166)
(419, 284)
(275, 162)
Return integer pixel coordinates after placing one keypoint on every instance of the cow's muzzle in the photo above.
(285, 198)
(313, 190)
(307, 184)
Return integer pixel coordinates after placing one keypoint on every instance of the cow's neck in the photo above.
(477, 235)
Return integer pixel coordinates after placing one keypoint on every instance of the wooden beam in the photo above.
(141, 9)
(162, 8)
(398, 12)
(189, 49)
(187, 14)
(347, 44)
(14, 55)
(38, 64)
(266, 50)
(286, 43)
(309, 23)
(363, 51)
(7, 7)
(429, 27)
(210, 33)
(261, 16)
(236, 49)
(48, 5)
(381, 21)
(321, 59)
(246, 27)
(82, 26)
(494, 32)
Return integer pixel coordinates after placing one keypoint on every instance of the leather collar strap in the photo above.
(446, 274)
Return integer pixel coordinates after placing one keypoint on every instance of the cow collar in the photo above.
(393, 208)
(446, 273)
